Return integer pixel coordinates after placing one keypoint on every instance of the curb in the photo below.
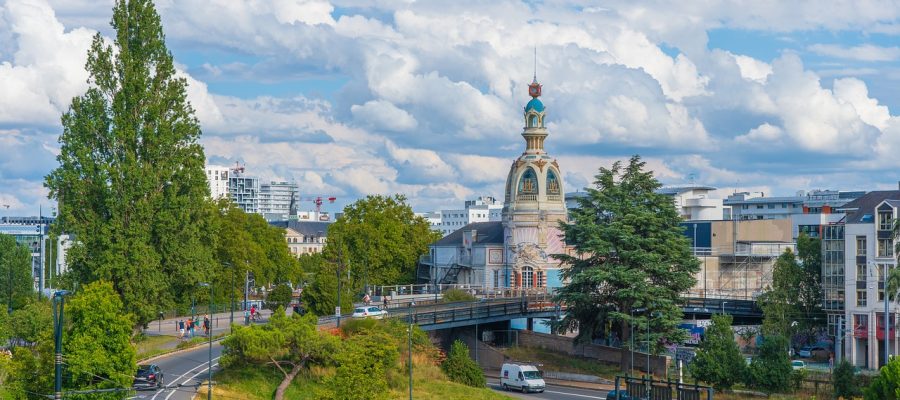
(173, 352)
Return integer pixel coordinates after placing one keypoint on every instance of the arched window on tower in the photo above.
(532, 121)
(528, 186)
(552, 183)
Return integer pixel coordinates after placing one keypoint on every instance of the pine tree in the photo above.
(130, 182)
(718, 361)
(632, 262)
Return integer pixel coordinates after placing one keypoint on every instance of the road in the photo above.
(552, 392)
(182, 373)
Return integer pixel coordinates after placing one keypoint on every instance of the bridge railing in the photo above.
(456, 312)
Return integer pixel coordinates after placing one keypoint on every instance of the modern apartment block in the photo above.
(279, 200)
(243, 190)
(755, 205)
(693, 202)
(869, 243)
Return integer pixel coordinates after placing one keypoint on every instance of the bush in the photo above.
(887, 384)
(280, 296)
(462, 369)
(718, 361)
(844, 380)
(771, 370)
(353, 326)
(456, 295)
(363, 363)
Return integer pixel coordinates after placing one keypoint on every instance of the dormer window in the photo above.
(885, 221)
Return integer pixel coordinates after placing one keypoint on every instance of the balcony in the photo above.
(554, 197)
(526, 197)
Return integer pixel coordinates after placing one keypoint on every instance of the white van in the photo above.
(524, 377)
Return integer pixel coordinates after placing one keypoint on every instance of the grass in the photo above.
(553, 361)
(429, 383)
(149, 346)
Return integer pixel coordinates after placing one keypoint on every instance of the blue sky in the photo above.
(354, 97)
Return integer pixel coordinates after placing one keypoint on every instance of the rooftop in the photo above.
(487, 233)
(860, 211)
(307, 228)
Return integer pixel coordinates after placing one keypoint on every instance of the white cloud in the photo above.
(763, 135)
(865, 52)
(383, 115)
(752, 68)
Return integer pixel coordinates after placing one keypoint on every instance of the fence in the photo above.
(652, 389)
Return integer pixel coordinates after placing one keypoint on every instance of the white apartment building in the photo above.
(482, 209)
(217, 178)
(868, 254)
(695, 203)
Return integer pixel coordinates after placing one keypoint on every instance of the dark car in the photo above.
(148, 376)
(623, 395)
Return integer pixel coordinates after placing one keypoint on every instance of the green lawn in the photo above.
(149, 346)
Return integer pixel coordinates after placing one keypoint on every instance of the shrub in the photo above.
(363, 363)
(718, 361)
(770, 371)
(456, 295)
(887, 384)
(353, 326)
(844, 380)
(462, 369)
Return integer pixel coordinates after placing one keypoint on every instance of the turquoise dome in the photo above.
(535, 105)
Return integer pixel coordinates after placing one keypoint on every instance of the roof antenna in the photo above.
(535, 63)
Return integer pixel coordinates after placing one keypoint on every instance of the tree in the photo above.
(292, 342)
(630, 258)
(382, 239)
(98, 349)
(31, 367)
(462, 369)
(844, 380)
(279, 297)
(886, 386)
(770, 371)
(781, 310)
(130, 183)
(809, 300)
(15, 274)
(363, 364)
(718, 360)
(320, 295)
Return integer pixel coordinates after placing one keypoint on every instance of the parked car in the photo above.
(148, 376)
(369, 312)
(798, 364)
(623, 395)
(524, 377)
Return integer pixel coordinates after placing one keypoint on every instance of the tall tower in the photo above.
(534, 204)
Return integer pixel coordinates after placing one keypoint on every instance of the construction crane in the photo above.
(318, 200)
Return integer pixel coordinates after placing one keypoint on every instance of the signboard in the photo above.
(337, 311)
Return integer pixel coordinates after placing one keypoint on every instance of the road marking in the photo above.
(173, 383)
(574, 394)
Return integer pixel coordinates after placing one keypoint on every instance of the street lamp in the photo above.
(231, 318)
(209, 365)
(654, 314)
(409, 350)
(58, 307)
(723, 307)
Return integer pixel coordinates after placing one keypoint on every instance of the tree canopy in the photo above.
(631, 261)
(382, 240)
(770, 370)
(131, 184)
(793, 303)
(15, 274)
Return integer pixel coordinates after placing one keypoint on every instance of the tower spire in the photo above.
(535, 65)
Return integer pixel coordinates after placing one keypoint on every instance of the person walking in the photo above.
(190, 327)
(206, 325)
(385, 298)
(180, 329)
(367, 299)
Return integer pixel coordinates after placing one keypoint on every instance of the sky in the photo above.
(425, 98)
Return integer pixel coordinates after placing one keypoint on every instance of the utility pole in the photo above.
(231, 318)
(409, 350)
(837, 342)
(58, 308)
(886, 317)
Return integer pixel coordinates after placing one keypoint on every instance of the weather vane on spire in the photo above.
(534, 89)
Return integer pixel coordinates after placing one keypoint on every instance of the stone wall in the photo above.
(611, 355)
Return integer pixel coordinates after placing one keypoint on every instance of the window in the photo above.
(885, 221)
(860, 272)
(745, 206)
(771, 206)
(861, 298)
(885, 248)
(860, 245)
(527, 277)
(759, 206)
(496, 278)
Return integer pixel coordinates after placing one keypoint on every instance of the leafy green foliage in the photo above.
(718, 360)
(630, 254)
(31, 367)
(455, 295)
(770, 371)
(462, 369)
(791, 304)
(15, 274)
(381, 239)
(97, 345)
(279, 297)
(130, 183)
(843, 379)
(320, 295)
(363, 364)
(886, 386)
(31, 322)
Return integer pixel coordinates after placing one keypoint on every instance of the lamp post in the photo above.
(409, 349)
(58, 308)
(723, 307)
(209, 362)
(231, 318)
(886, 320)
(631, 336)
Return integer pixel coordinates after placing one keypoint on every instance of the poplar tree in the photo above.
(130, 182)
(631, 262)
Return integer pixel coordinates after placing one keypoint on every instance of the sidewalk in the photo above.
(220, 323)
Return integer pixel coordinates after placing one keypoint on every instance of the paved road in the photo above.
(552, 392)
(182, 373)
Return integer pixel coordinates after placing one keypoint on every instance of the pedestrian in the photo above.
(190, 327)
(181, 329)
(385, 298)
(252, 311)
(246, 317)
(367, 299)
(206, 325)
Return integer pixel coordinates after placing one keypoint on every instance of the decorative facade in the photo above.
(516, 251)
